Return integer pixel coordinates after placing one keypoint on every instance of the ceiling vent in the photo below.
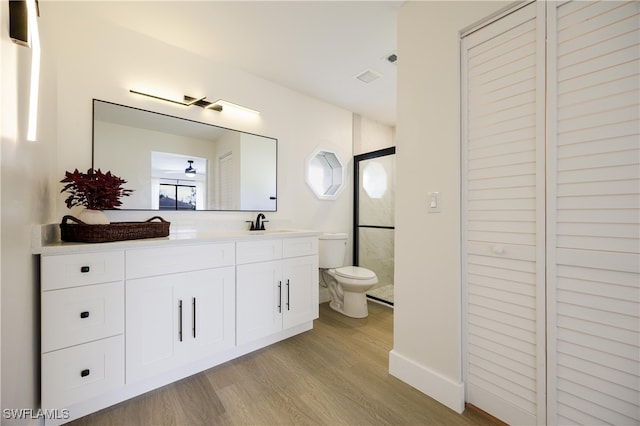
(368, 76)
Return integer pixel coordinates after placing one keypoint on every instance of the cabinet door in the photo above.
(208, 313)
(151, 326)
(299, 290)
(178, 318)
(259, 300)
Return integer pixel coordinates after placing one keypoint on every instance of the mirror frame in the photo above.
(274, 198)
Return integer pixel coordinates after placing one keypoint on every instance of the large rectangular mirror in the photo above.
(173, 163)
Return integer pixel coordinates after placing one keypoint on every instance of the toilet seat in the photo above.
(355, 273)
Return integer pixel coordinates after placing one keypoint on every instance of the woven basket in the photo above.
(81, 232)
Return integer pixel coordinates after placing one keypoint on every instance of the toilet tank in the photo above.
(331, 250)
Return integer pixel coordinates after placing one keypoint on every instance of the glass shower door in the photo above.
(374, 219)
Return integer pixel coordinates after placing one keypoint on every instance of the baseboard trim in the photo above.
(441, 388)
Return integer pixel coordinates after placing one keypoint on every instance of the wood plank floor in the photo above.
(336, 374)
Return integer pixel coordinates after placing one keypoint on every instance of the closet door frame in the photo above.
(541, 209)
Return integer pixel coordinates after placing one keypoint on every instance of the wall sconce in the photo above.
(23, 30)
(34, 36)
(218, 105)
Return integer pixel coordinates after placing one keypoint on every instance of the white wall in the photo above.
(109, 60)
(427, 323)
(370, 135)
(26, 173)
(85, 58)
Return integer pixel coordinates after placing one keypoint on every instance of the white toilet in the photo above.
(347, 284)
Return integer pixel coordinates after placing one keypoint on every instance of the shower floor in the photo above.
(383, 293)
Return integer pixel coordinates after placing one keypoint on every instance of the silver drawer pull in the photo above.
(193, 318)
(85, 372)
(180, 320)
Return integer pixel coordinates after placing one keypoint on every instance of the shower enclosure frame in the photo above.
(356, 199)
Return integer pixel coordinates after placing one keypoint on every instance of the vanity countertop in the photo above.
(45, 239)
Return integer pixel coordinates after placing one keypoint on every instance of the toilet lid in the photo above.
(355, 272)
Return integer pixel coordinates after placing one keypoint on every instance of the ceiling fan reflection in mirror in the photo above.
(190, 171)
(165, 165)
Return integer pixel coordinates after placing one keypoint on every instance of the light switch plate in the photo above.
(433, 202)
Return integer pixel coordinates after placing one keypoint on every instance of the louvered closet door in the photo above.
(503, 217)
(593, 285)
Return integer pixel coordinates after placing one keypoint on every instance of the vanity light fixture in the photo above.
(190, 171)
(218, 105)
(230, 106)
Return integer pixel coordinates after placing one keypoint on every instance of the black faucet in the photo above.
(260, 225)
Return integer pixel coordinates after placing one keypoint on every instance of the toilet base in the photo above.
(355, 305)
(348, 296)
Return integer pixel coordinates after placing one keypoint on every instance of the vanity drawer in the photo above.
(82, 372)
(72, 270)
(304, 246)
(82, 314)
(258, 251)
(170, 260)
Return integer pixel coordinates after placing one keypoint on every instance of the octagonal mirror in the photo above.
(325, 174)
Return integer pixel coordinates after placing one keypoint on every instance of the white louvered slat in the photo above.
(621, 172)
(598, 146)
(596, 84)
(517, 265)
(574, 367)
(598, 216)
(501, 217)
(501, 140)
(502, 193)
(594, 215)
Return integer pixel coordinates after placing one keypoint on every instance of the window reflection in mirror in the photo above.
(325, 174)
(233, 170)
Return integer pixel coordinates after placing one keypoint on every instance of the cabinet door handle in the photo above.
(84, 314)
(180, 320)
(193, 319)
(288, 299)
(85, 269)
(279, 296)
(85, 372)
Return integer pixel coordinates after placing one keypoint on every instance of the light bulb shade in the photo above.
(230, 106)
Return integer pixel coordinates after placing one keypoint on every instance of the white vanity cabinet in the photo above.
(120, 319)
(82, 318)
(182, 310)
(277, 286)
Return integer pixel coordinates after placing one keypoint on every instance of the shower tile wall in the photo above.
(376, 253)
